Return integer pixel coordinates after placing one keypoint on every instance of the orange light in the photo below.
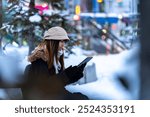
(77, 10)
(100, 1)
(114, 27)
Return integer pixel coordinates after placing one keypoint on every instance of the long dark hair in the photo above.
(47, 50)
(52, 47)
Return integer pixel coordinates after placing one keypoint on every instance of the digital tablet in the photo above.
(85, 61)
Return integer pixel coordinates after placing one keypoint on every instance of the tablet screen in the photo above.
(85, 61)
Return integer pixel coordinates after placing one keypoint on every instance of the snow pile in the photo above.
(35, 18)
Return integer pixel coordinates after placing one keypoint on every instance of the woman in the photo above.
(46, 76)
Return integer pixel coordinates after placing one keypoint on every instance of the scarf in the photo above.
(57, 66)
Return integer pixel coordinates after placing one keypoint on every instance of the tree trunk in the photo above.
(32, 4)
(20, 42)
(31, 43)
(31, 46)
(31, 35)
(145, 48)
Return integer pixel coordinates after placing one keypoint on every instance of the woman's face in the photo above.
(61, 45)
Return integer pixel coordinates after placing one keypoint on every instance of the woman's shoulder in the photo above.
(37, 64)
(36, 68)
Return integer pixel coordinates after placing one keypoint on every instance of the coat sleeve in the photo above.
(39, 71)
(63, 78)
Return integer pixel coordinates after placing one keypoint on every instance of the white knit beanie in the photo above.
(56, 33)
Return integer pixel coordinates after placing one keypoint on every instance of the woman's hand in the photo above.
(74, 73)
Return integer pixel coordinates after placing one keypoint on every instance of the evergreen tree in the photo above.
(28, 24)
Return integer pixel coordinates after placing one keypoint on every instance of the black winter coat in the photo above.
(41, 84)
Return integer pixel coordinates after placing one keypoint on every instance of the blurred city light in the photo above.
(103, 37)
(76, 17)
(120, 17)
(77, 10)
(42, 7)
(114, 27)
(119, 0)
(100, 1)
(104, 31)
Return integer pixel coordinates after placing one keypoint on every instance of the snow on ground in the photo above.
(106, 87)
(18, 53)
